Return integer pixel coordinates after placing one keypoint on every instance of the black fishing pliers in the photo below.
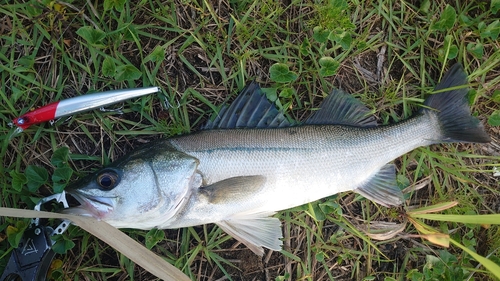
(32, 258)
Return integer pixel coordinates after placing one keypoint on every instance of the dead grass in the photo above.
(211, 49)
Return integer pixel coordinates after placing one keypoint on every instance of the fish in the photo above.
(251, 162)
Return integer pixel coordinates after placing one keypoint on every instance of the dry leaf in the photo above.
(439, 239)
(380, 230)
(113, 237)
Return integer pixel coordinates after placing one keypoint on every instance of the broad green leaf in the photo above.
(320, 34)
(447, 20)
(424, 6)
(464, 20)
(403, 182)
(127, 72)
(62, 244)
(26, 61)
(341, 37)
(476, 49)
(496, 96)
(346, 40)
(433, 267)
(15, 233)
(281, 73)
(282, 277)
(449, 47)
(339, 4)
(130, 33)
(305, 47)
(157, 55)
(447, 257)
(60, 178)
(60, 157)
(108, 67)
(153, 237)
(492, 30)
(414, 275)
(320, 256)
(18, 180)
(449, 50)
(481, 26)
(315, 211)
(488, 264)
(36, 176)
(453, 52)
(328, 66)
(330, 207)
(33, 10)
(91, 35)
(16, 93)
(117, 4)
(287, 93)
(494, 6)
(271, 93)
(494, 119)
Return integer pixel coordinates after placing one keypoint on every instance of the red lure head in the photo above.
(39, 115)
(22, 122)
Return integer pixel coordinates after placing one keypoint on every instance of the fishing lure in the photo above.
(78, 104)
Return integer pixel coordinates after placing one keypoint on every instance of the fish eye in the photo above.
(107, 180)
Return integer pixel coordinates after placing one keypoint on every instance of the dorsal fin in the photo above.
(250, 109)
(340, 108)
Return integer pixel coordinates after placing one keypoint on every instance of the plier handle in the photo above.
(31, 260)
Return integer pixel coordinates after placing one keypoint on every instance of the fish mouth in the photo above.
(90, 206)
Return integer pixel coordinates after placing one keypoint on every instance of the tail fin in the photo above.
(457, 124)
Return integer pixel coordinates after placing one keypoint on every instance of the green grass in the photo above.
(201, 53)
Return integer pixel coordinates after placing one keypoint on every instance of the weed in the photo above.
(389, 54)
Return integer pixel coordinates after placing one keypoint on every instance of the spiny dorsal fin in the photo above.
(255, 232)
(250, 109)
(340, 108)
(382, 188)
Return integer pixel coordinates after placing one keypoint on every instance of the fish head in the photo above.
(142, 190)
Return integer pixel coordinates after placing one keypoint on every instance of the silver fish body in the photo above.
(237, 178)
(298, 164)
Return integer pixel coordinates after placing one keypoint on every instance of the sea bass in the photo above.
(250, 162)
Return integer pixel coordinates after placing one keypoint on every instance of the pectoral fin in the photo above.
(255, 232)
(382, 188)
(234, 189)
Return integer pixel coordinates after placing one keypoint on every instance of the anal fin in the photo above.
(382, 188)
(255, 232)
